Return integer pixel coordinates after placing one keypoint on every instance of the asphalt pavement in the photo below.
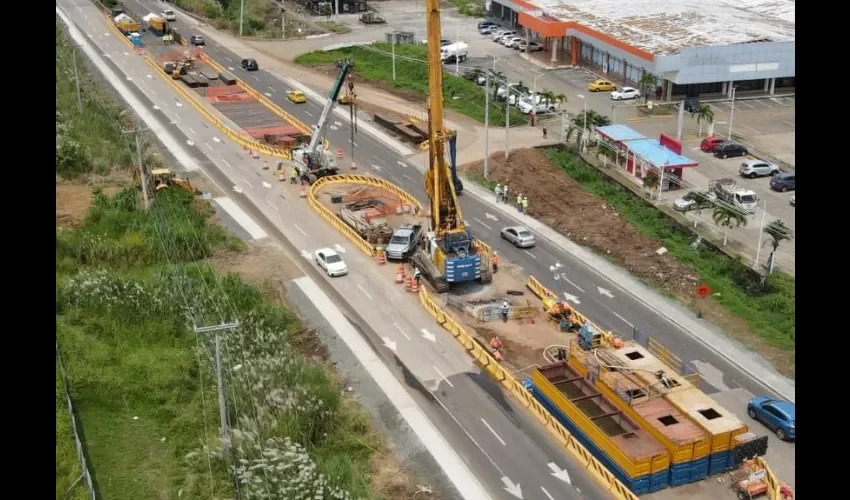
(497, 439)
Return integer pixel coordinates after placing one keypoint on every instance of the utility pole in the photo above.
(486, 124)
(732, 112)
(142, 173)
(226, 444)
(336, 7)
(282, 23)
(563, 125)
(682, 120)
(393, 49)
(507, 119)
(241, 15)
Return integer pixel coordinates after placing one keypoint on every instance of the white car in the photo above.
(531, 47)
(169, 15)
(331, 262)
(499, 36)
(757, 168)
(625, 93)
(511, 41)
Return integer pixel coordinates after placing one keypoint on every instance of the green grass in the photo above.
(67, 465)
(254, 21)
(375, 66)
(770, 310)
(142, 387)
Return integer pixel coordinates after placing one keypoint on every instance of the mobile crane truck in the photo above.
(449, 254)
(317, 162)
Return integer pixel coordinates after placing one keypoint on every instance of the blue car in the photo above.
(777, 415)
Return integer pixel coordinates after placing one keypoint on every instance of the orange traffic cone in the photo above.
(281, 176)
(382, 257)
(354, 165)
(414, 286)
(408, 282)
(265, 165)
(302, 191)
(399, 274)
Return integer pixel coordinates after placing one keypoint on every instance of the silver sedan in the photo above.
(520, 236)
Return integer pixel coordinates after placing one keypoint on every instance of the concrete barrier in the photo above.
(598, 471)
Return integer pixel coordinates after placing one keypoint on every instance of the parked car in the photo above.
(625, 93)
(695, 200)
(520, 236)
(511, 42)
(485, 24)
(473, 74)
(529, 47)
(296, 96)
(777, 415)
(497, 33)
(784, 181)
(250, 64)
(601, 85)
(331, 262)
(691, 104)
(197, 40)
(711, 142)
(729, 149)
(489, 30)
(757, 168)
(502, 34)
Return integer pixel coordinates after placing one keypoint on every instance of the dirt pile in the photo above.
(562, 204)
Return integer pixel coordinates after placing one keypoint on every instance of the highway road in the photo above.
(600, 299)
(502, 446)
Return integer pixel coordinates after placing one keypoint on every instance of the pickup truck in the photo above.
(404, 241)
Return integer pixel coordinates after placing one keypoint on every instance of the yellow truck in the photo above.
(126, 24)
(155, 23)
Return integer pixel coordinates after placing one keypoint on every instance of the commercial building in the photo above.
(693, 47)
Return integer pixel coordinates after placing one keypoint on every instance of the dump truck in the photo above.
(155, 24)
(404, 241)
(126, 24)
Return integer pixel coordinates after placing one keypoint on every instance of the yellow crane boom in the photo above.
(445, 209)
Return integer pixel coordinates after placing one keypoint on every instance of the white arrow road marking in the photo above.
(267, 185)
(367, 296)
(189, 143)
(339, 248)
(126, 53)
(510, 487)
(572, 298)
(267, 94)
(376, 167)
(560, 473)
(334, 128)
(491, 216)
(306, 254)
(300, 230)
(149, 76)
(337, 123)
(129, 79)
(216, 139)
(401, 331)
(237, 189)
(580, 96)
(179, 104)
(389, 344)
(481, 222)
(231, 68)
(492, 431)
(402, 164)
(444, 377)
(155, 107)
(605, 292)
(428, 335)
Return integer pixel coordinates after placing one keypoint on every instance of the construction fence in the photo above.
(78, 443)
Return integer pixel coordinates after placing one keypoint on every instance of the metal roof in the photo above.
(620, 133)
(652, 151)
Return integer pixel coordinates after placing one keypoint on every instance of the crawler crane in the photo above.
(449, 254)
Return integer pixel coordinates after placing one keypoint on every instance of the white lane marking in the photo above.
(270, 88)
(241, 218)
(436, 444)
(208, 146)
(531, 255)
(494, 432)
(353, 143)
(255, 78)
(189, 143)
(401, 331)
(155, 107)
(364, 292)
(226, 164)
(271, 205)
(300, 230)
(547, 493)
(229, 59)
(443, 377)
(395, 179)
(790, 124)
(248, 183)
(480, 222)
(308, 113)
(580, 289)
(267, 185)
(624, 320)
(407, 177)
(191, 131)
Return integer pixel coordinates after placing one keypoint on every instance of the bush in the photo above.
(374, 64)
(769, 309)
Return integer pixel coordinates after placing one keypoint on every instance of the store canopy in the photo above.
(651, 151)
(620, 133)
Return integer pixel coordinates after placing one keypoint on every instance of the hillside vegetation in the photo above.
(130, 286)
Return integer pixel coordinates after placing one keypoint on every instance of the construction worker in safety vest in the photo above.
(525, 205)
(498, 191)
(495, 261)
(505, 193)
(519, 202)
(293, 176)
(505, 310)
(416, 275)
(496, 343)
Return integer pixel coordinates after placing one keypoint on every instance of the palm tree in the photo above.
(651, 181)
(726, 217)
(560, 99)
(647, 83)
(703, 113)
(547, 96)
(594, 120)
(778, 232)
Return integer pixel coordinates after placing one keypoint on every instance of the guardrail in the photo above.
(515, 387)
(265, 101)
(248, 142)
(363, 180)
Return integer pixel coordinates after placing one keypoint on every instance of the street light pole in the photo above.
(143, 175)
(732, 112)
(507, 119)
(486, 125)
(393, 47)
(77, 80)
(761, 232)
(241, 15)
(457, 47)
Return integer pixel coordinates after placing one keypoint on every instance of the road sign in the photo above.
(703, 290)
